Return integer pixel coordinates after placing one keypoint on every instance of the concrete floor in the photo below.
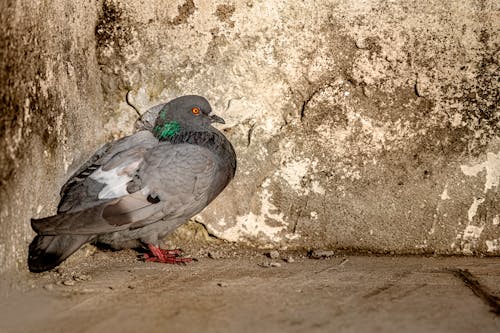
(114, 292)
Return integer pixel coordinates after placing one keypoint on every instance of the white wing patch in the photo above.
(115, 180)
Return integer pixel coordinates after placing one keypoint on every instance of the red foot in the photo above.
(165, 256)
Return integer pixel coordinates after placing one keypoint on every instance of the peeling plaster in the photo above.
(378, 133)
(496, 220)
(332, 135)
(493, 245)
(317, 188)
(472, 233)
(256, 226)
(445, 195)
(422, 246)
(296, 171)
(252, 225)
(492, 168)
(456, 120)
(268, 207)
(293, 172)
(473, 208)
(470, 237)
(221, 222)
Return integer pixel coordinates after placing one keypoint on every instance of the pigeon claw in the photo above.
(165, 256)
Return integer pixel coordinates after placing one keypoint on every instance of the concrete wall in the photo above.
(51, 111)
(370, 125)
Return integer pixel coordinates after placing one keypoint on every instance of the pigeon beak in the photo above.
(216, 119)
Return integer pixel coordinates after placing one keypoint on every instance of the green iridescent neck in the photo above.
(167, 130)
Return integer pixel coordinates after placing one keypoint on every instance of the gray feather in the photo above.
(47, 252)
(148, 118)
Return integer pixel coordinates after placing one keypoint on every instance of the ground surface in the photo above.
(245, 291)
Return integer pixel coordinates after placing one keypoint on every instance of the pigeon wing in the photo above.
(105, 173)
(175, 183)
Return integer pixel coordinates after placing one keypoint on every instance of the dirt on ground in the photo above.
(229, 289)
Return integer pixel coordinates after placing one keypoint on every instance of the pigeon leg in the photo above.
(165, 256)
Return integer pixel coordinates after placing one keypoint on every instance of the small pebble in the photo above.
(360, 43)
(69, 282)
(343, 261)
(289, 259)
(82, 277)
(321, 254)
(274, 254)
(367, 91)
(49, 287)
(222, 284)
(269, 264)
(214, 255)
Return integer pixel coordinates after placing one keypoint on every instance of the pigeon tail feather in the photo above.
(47, 252)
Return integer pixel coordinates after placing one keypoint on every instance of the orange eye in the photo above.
(195, 111)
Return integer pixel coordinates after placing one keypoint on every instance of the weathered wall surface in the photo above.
(51, 117)
(362, 125)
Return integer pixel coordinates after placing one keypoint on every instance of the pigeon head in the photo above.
(185, 114)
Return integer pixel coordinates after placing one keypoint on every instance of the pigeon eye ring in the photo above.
(195, 110)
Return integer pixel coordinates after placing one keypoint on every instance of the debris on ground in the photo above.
(274, 254)
(321, 254)
(267, 264)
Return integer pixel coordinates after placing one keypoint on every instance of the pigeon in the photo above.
(134, 191)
